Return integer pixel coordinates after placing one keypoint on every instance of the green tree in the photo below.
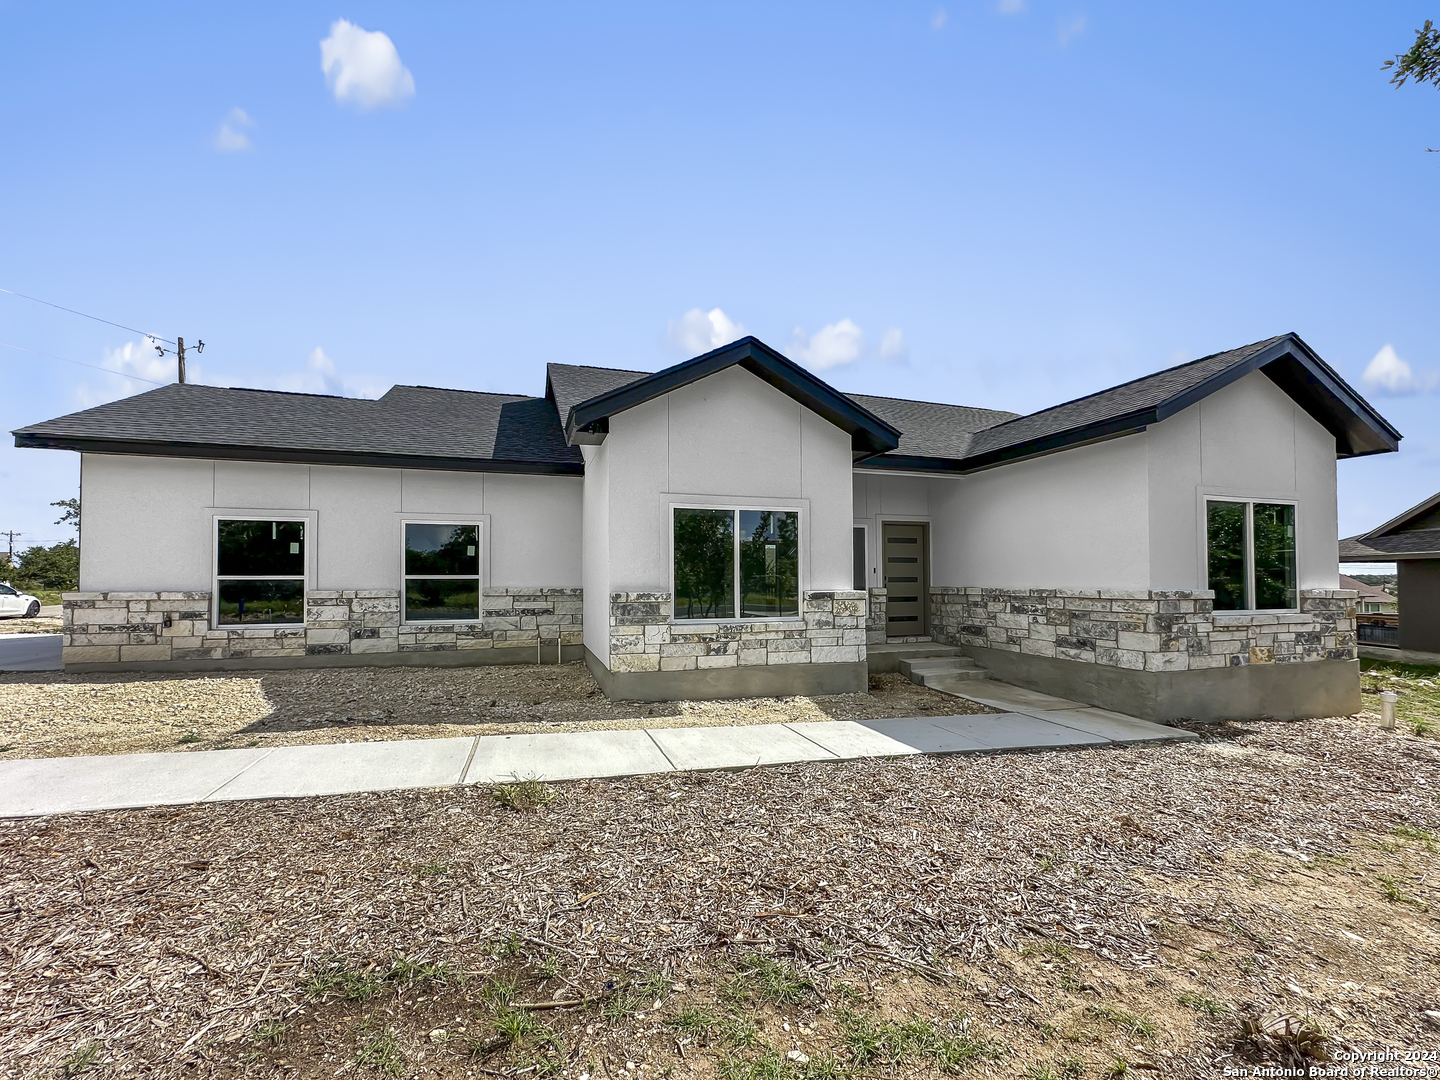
(71, 516)
(56, 568)
(1421, 63)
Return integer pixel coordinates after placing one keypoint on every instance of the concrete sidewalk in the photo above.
(1032, 721)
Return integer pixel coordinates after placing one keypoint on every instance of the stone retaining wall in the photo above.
(132, 627)
(875, 624)
(1145, 630)
(642, 637)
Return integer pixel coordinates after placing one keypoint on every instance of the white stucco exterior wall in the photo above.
(147, 521)
(1128, 513)
(727, 440)
(1249, 440)
(596, 556)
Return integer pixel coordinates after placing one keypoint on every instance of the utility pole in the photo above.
(10, 537)
(159, 344)
(180, 356)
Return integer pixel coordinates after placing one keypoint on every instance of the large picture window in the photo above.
(737, 564)
(1250, 553)
(259, 572)
(442, 572)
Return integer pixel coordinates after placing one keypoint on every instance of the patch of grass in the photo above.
(1204, 1005)
(1116, 1069)
(1391, 888)
(517, 1025)
(873, 1041)
(82, 1058)
(507, 949)
(1125, 1020)
(694, 1022)
(738, 1031)
(622, 1003)
(761, 978)
(499, 992)
(523, 795)
(655, 986)
(382, 1053)
(551, 967)
(188, 737)
(1057, 950)
(772, 1066)
(1418, 686)
(341, 982)
(270, 1031)
(1071, 1068)
(1409, 832)
(409, 972)
(434, 869)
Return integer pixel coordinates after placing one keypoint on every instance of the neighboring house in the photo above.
(1412, 542)
(733, 526)
(1370, 599)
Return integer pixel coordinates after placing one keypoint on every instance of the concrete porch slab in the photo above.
(1117, 727)
(736, 747)
(565, 756)
(118, 781)
(1007, 698)
(335, 768)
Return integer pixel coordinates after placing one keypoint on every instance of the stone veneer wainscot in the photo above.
(643, 637)
(136, 627)
(1146, 630)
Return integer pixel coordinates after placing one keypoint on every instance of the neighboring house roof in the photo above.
(1364, 591)
(455, 429)
(417, 426)
(1421, 544)
(1415, 534)
(868, 433)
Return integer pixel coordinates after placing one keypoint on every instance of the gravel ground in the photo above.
(30, 626)
(1161, 911)
(53, 714)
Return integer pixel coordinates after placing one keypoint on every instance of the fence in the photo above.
(1375, 634)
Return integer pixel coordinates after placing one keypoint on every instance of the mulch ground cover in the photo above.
(1267, 894)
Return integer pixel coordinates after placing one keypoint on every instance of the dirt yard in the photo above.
(52, 714)
(1267, 894)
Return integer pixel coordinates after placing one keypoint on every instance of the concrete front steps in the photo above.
(951, 673)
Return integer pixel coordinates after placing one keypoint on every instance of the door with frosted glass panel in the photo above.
(904, 566)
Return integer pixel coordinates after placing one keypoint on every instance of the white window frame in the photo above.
(1249, 501)
(305, 519)
(736, 507)
(480, 532)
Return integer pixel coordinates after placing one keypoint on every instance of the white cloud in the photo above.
(834, 346)
(698, 331)
(363, 66)
(132, 364)
(893, 347)
(939, 19)
(1010, 7)
(230, 138)
(1388, 374)
(1069, 29)
(320, 376)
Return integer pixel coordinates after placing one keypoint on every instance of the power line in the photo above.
(81, 363)
(72, 311)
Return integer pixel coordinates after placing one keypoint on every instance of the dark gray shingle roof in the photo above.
(570, 384)
(1385, 548)
(408, 422)
(931, 429)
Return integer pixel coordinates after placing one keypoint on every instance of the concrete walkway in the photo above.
(30, 652)
(1032, 721)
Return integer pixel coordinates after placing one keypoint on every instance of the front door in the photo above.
(904, 551)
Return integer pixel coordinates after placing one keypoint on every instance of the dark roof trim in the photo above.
(1315, 386)
(1402, 519)
(868, 433)
(1101, 431)
(299, 457)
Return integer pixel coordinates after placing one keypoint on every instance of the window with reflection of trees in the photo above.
(729, 561)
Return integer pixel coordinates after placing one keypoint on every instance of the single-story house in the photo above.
(1412, 542)
(1370, 599)
(734, 526)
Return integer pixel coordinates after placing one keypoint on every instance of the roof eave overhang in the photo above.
(300, 457)
(589, 421)
(1312, 384)
(1395, 522)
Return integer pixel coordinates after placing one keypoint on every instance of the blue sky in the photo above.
(1004, 204)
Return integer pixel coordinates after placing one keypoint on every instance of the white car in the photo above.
(17, 605)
